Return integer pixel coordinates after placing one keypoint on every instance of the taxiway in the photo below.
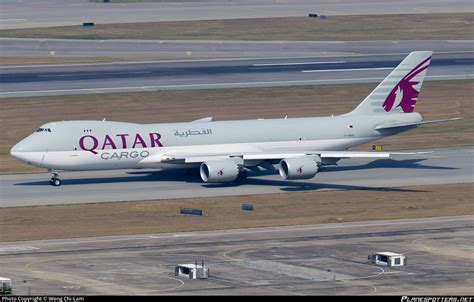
(325, 259)
(444, 166)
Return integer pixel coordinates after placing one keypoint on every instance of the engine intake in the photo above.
(219, 171)
(303, 167)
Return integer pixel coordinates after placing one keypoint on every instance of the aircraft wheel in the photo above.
(55, 182)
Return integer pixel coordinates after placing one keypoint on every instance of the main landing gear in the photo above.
(55, 180)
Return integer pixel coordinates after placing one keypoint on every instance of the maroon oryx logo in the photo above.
(221, 172)
(300, 170)
(405, 94)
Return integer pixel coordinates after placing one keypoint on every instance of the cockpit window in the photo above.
(43, 130)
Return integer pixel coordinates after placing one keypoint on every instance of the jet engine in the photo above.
(219, 171)
(303, 167)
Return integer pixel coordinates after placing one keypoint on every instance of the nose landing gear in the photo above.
(55, 180)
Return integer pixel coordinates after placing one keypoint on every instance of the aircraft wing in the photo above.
(328, 154)
(199, 158)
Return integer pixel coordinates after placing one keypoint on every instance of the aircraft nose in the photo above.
(19, 147)
(18, 151)
(31, 150)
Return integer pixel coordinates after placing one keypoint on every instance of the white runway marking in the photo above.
(349, 69)
(18, 248)
(13, 20)
(92, 74)
(297, 63)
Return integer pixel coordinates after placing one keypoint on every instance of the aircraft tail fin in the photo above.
(398, 92)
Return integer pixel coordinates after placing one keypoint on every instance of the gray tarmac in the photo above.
(324, 259)
(444, 166)
(47, 13)
(221, 49)
(452, 60)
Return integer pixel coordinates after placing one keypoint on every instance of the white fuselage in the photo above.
(101, 145)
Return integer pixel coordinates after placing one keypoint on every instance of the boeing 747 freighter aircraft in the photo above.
(225, 150)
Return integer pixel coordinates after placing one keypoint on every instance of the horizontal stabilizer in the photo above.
(400, 125)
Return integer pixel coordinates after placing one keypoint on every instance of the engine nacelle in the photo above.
(303, 167)
(219, 171)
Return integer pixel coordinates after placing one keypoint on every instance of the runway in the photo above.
(324, 259)
(444, 166)
(47, 13)
(221, 49)
(64, 79)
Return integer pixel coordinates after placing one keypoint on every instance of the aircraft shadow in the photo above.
(192, 176)
(141, 176)
(295, 186)
(413, 163)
